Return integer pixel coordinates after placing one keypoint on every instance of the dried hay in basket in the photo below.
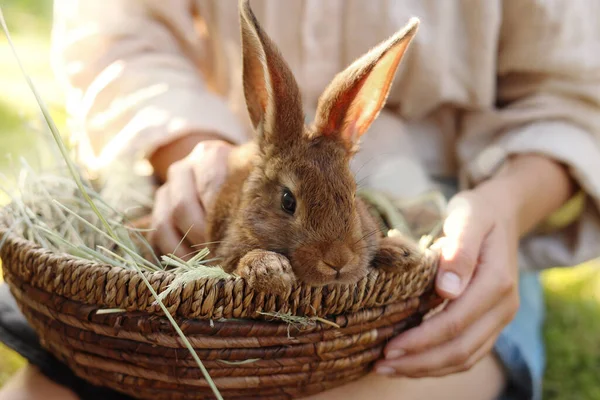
(174, 329)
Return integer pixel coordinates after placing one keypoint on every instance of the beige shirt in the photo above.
(483, 79)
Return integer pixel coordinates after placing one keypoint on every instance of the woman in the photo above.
(501, 100)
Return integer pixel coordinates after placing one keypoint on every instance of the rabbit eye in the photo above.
(288, 202)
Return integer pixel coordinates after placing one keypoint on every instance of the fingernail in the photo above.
(450, 283)
(385, 370)
(393, 354)
(439, 243)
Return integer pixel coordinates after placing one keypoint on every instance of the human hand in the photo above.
(478, 273)
(181, 203)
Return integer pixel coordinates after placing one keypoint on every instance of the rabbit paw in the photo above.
(397, 254)
(267, 272)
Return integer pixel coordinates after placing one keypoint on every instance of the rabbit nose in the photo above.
(337, 256)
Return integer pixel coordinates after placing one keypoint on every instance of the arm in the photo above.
(521, 163)
(133, 81)
(176, 149)
(549, 105)
(530, 187)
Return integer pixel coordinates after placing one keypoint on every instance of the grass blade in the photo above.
(79, 182)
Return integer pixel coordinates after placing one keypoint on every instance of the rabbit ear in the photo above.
(354, 98)
(272, 94)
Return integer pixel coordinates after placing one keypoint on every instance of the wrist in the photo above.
(527, 190)
(167, 154)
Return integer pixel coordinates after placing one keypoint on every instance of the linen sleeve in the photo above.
(132, 71)
(548, 102)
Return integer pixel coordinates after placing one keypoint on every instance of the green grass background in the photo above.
(572, 329)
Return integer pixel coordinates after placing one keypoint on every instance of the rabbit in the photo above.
(288, 210)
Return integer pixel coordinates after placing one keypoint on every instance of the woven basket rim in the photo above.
(60, 294)
(139, 298)
(38, 250)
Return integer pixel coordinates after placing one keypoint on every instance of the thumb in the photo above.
(465, 228)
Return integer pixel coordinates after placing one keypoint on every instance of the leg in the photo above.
(266, 271)
(30, 384)
(485, 381)
(397, 254)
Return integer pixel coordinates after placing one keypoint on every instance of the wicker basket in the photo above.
(248, 354)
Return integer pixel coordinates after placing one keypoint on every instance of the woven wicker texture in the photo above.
(248, 355)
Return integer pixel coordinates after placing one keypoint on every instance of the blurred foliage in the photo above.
(28, 17)
(572, 333)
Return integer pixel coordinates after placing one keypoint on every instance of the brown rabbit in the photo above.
(288, 208)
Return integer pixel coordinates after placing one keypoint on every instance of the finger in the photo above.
(475, 358)
(209, 180)
(492, 283)
(143, 222)
(164, 237)
(479, 355)
(141, 226)
(168, 240)
(160, 210)
(458, 353)
(465, 230)
(188, 214)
